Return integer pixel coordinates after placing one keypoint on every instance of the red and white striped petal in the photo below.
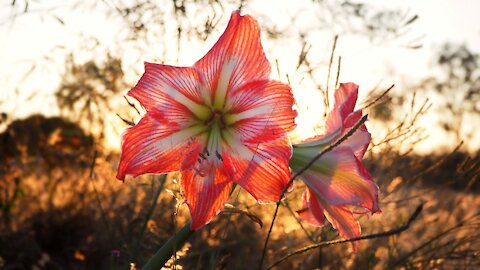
(341, 218)
(311, 210)
(261, 169)
(339, 178)
(205, 194)
(153, 147)
(360, 140)
(345, 99)
(339, 121)
(235, 59)
(344, 222)
(261, 110)
(176, 92)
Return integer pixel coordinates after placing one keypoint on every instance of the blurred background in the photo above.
(66, 67)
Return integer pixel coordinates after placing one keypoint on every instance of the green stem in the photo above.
(167, 250)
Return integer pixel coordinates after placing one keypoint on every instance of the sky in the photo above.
(35, 37)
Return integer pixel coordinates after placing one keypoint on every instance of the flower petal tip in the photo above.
(198, 223)
(120, 177)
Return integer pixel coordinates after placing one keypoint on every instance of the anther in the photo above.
(218, 155)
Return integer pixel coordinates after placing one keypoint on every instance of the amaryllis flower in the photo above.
(218, 122)
(338, 185)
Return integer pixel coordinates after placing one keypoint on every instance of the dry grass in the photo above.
(69, 216)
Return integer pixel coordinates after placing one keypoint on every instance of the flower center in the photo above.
(211, 156)
(216, 118)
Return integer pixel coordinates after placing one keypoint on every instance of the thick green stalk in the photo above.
(168, 249)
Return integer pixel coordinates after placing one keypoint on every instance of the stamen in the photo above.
(213, 139)
(201, 169)
(218, 155)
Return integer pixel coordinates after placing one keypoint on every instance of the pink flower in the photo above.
(338, 179)
(218, 122)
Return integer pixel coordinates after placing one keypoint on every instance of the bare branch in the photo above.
(327, 102)
(398, 230)
(338, 71)
(379, 97)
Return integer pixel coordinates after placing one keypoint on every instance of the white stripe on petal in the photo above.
(167, 143)
(223, 81)
(199, 110)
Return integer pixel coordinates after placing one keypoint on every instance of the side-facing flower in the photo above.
(338, 180)
(221, 121)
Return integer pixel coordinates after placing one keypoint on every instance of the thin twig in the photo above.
(431, 240)
(379, 97)
(277, 65)
(301, 171)
(149, 214)
(436, 164)
(225, 229)
(328, 149)
(97, 196)
(327, 102)
(92, 165)
(308, 233)
(338, 71)
(175, 215)
(398, 230)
